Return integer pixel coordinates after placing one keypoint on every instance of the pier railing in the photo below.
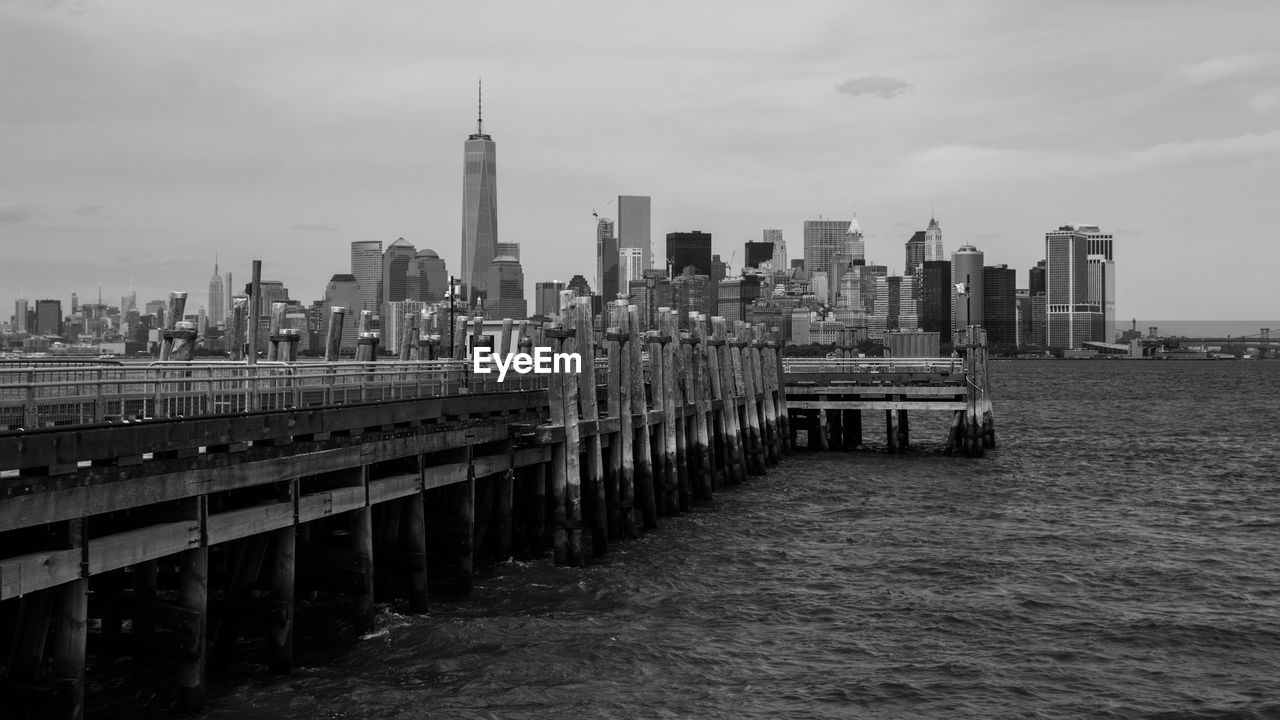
(852, 366)
(39, 396)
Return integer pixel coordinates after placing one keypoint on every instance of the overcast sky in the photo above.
(139, 137)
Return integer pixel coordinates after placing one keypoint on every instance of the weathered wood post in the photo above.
(675, 435)
(173, 313)
(333, 339)
(764, 380)
(408, 336)
(460, 338)
(984, 384)
(742, 367)
(283, 573)
(71, 627)
(289, 339)
(719, 432)
(193, 595)
(780, 370)
(734, 441)
(702, 462)
(274, 327)
(593, 485)
(366, 338)
(183, 341)
(645, 496)
(628, 334)
(255, 310)
(564, 455)
(614, 399)
(362, 543)
(661, 378)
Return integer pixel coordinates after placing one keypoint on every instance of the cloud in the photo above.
(316, 227)
(1218, 69)
(16, 213)
(878, 85)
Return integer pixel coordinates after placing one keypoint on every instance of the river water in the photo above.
(1115, 556)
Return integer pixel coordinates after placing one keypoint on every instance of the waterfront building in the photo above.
(1074, 314)
(966, 269)
(1102, 279)
(634, 233)
(999, 304)
(366, 268)
(1022, 298)
(479, 212)
(685, 249)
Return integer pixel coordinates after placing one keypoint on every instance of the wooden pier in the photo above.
(162, 512)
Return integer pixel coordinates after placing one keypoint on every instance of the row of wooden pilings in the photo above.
(973, 430)
(712, 413)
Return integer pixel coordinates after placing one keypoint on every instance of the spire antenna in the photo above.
(480, 107)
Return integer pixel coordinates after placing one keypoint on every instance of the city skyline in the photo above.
(134, 159)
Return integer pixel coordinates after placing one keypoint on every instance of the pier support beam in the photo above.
(283, 567)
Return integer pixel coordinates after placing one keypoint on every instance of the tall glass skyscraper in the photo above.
(634, 219)
(366, 268)
(479, 211)
(823, 240)
(217, 305)
(774, 235)
(1079, 286)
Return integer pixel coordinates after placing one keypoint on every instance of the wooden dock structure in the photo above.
(163, 511)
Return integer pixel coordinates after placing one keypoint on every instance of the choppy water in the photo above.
(1116, 556)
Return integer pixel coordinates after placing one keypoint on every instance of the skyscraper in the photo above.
(689, 248)
(999, 304)
(823, 240)
(546, 298)
(217, 305)
(630, 265)
(933, 241)
(1102, 279)
(966, 269)
(433, 276)
(774, 235)
(20, 311)
(634, 217)
(48, 317)
(758, 254)
(400, 279)
(506, 289)
(1072, 315)
(366, 267)
(344, 291)
(511, 249)
(479, 211)
(915, 253)
(606, 260)
(857, 246)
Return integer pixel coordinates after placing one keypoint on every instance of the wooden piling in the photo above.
(362, 543)
(255, 311)
(701, 451)
(70, 628)
(283, 572)
(562, 393)
(193, 595)
(775, 347)
(593, 492)
(173, 313)
(676, 378)
(661, 378)
(719, 428)
(235, 333)
(333, 340)
(773, 451)
(408, 336)
(182, 339)
(893, 439)
(742, 367)
(613, 401)
(628, 334)
(735, 447)
(645, 497)
(275, 325)
(366, 338)
(459, 331)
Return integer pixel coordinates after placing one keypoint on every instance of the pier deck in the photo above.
(162, 511)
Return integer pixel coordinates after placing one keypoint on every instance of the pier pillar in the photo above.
(362, 543)
(333, 340)
(415, 522)
(283, 572)
(193, 595)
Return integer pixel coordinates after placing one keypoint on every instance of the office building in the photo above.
(1000, 304)
(779, 257)
(433, 276)
(1073, 314)
(20, 312)
(579, 286)
(343, 291)
(824, 239)
(634, 218)
(758, 254)
(933, 242)
(933, 297)
(630, 265)
(689, 249)
(48, 317)
(1102, 279)
(366, 268)
(966, 270)
(506, 290)
(510, 249)
(394, 323)
(693, 292)
(719, 270)
(479, 212)
(734, 295)
(652, 291)
(217, 305)
(546, 298)
(607, 271)
(400, 279)
(914, 253)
